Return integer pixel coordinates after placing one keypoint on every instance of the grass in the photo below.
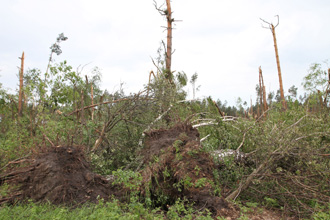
(102, 210)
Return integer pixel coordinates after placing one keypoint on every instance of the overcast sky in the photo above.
(221, 40)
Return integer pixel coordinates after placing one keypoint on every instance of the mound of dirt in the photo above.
(176, 168)
(61, 176)
(179, 169)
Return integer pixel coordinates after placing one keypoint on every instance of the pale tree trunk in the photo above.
(327, 91)
(82, 108)
(278, 68)
(260, 92)
(92, 97)
(263, 90)
(169, 40)
(251, 108)
(20, 96)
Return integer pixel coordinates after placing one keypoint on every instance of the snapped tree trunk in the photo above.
(20, 96)
(82, 107)
(272, 28)
(278, 68)
(169, 41)
(263, 87)
(92, 97)
(260, 91)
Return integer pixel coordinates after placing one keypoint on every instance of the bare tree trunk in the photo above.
(327, 91)
(278, 68)
(260, 91)
(261, 168)
(320, 99)
(258, 110)
(219, 110)
(169, 40)
(272, 28)
(92, 97)
(168, 48)
(20, 97)
(82, 107)
(263, 90)
(251, 108)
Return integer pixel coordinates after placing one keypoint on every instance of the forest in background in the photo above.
(279, 145)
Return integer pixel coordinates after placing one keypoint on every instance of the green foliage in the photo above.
(316, 84)
(108, 210)
(322, 213)
(182, 210)
(316, 79)
(271, 203)
(201, 182)
(129, 179)
(186, 182)
(293, 144)
(4, 189)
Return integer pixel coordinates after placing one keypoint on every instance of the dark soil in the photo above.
(179, 169)
(61, 176)
(176, 167)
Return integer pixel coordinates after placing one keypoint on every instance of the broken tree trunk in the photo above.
(272, 28)
(251, 108)
(327, 91)
(263, 90)
(20, 97)
(169, 40)
(279, 68)
(82, 107)
(167, 12)
(260, 91)
(219, 110)
(92, 97)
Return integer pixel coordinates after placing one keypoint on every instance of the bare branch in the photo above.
(243, 139)
(205, 124)
(204, 138)
(53, 145)
(278, 20)
(158, 8)
(158, 70)
(269, 24)
(108, 102)
(152, 123)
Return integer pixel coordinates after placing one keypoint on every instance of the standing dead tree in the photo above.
(262, 90)
(20, 96)
(167, 12)
(272, 28)
(327, 91)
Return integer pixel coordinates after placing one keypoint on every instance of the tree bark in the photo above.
(278, 68)
(169, 40)
(219, 110)
(263, 90)
(20, 97)
(82, 108)
(260, 91)
(92, 97)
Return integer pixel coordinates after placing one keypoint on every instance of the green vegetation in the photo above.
(287, 167)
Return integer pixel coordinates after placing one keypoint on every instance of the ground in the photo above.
(175, 167)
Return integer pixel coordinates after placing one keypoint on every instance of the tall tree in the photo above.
(272, 28)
